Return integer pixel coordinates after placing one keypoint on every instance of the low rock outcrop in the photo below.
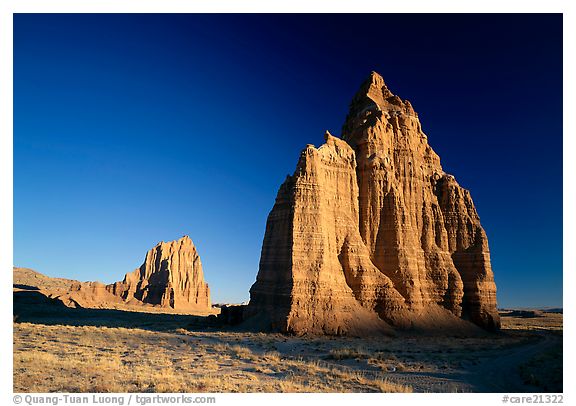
(370, 233)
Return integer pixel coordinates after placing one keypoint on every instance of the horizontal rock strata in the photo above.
(370, 232)
(171, 276)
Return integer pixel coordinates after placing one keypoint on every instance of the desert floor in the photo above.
(113, 351)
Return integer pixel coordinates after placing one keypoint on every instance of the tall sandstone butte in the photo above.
(369, 232)
(171, 276)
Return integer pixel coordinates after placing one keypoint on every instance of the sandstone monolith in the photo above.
(370, 232)
(171, 276)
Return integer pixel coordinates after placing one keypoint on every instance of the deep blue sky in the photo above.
(131, 129)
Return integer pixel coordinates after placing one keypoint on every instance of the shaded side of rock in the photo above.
(171, 276)
(370, 231)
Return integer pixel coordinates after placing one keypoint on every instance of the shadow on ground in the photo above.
(526, 356)
(31, 306)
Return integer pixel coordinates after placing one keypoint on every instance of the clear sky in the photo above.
(132, 129)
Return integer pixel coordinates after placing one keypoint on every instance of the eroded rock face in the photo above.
(370, 232)
(171, 276)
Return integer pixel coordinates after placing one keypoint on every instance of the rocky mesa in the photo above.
(370, 234)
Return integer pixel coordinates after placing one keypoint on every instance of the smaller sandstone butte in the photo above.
(171, 276)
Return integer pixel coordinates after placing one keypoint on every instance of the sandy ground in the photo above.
(153, 353)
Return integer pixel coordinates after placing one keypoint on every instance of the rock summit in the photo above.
(370, 234)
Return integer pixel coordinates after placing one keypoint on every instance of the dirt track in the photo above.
(501, 374)
(496, 372)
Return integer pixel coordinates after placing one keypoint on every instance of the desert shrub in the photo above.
(347, 353)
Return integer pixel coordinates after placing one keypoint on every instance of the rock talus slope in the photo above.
(369, 232)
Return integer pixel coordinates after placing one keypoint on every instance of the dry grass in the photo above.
(347, 353)
(101, 359)
(542, 321)
(545, 370)
(56, 358)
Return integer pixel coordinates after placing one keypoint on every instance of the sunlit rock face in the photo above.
(370, 233)
(171, 276)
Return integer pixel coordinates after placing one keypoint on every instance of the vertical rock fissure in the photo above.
(171, 276)
(377, 232)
